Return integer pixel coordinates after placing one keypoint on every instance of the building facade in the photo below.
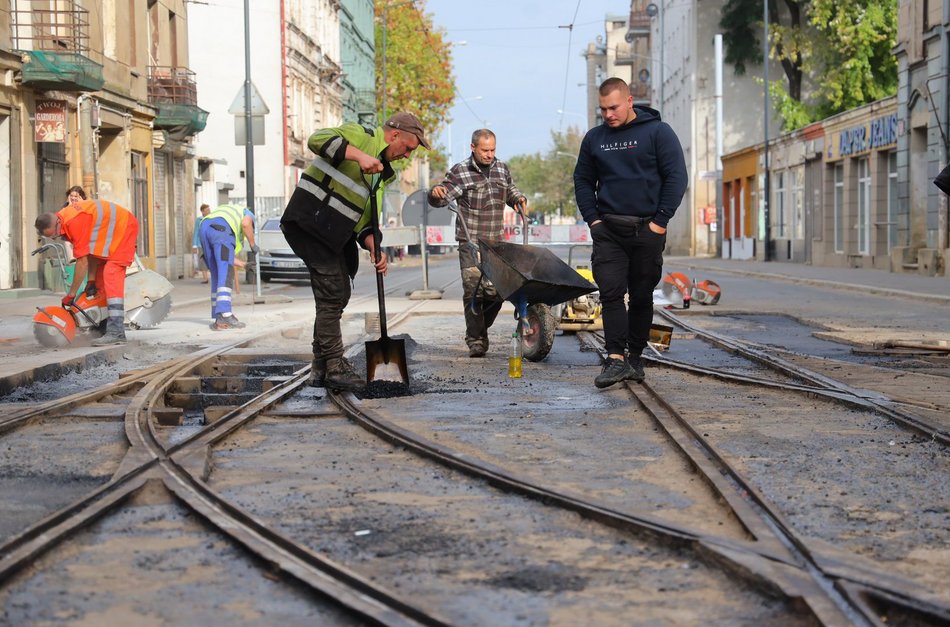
(923, 144)
(98, 94)
(358, 57)
(296, 77)
(856, 189)
(664, 50)
(684, 91)
(833, 193)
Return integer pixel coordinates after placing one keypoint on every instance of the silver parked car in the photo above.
(278, 261)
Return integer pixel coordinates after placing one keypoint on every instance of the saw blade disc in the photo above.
(49, 336)
(150, 314)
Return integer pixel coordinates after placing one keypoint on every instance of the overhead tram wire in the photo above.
(567, 65)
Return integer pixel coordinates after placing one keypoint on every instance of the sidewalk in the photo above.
(914, 286)
(23, 360)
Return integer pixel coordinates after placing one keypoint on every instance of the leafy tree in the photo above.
(859, 67)
(742, 28)
(548, 179)
(418, 62)
(842, 46)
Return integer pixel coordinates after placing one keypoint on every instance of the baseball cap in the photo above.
(405, 121)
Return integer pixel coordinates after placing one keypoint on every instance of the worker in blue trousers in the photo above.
(222, 233)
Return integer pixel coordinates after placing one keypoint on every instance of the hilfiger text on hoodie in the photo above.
(637, 169)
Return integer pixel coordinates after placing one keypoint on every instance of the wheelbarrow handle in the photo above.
(524, 227)
(454, 208)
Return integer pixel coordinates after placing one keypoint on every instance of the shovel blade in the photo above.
(386, 352)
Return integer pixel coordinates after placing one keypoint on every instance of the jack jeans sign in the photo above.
(876, 134)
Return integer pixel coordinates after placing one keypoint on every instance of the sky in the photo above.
(517, 67)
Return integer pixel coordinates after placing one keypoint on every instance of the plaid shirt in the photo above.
(481, 200)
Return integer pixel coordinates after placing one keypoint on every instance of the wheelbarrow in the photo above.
(531, 278)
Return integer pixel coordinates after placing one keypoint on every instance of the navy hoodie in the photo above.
(636, 169)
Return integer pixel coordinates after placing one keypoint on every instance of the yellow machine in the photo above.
(584, 312)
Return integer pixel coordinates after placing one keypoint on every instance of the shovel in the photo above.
(384, 351)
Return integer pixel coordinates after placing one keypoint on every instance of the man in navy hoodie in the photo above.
(629, 179)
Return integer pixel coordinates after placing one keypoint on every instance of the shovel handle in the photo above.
(382, 300)
(377, 251)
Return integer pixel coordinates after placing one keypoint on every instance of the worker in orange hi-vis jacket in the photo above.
(103, 235)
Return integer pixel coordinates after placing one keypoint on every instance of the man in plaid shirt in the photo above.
(482, 187)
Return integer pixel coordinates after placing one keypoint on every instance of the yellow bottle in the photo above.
(514, 359)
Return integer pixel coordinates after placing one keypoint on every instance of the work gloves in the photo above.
(68, 301)
(255, 248)
(91, 290)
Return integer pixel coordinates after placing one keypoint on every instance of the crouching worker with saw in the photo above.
(221, 233)
(329, 213)
(103, 236)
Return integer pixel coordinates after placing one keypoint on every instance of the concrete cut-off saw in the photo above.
(148, 301)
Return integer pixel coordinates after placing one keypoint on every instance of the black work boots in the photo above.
(115, 333)
(341, 376)
(318, 373)
(617, 370)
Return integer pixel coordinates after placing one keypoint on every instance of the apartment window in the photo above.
(779, 204)
(864, 206)
(891, 200)
(173, 38)
(839, 208)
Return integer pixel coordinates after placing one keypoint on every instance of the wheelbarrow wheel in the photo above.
(538, 338)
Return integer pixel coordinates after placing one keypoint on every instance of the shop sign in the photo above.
(876, 134)
(50, 122)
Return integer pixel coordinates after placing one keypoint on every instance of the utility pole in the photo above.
(249, 139)
(767, 240)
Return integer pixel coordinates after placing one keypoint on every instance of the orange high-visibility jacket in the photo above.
(100, 228)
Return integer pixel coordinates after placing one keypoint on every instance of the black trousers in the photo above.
(330, 283)
(627, 261)
(479, 298)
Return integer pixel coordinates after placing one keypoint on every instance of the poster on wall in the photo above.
(50, 123)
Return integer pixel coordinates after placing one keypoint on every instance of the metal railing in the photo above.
(64, 28)
(174, 85)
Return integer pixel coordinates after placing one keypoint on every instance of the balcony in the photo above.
(173, 91)
(639, 23)
(54, 44)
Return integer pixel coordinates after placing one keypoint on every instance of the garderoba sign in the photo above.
(50, 122)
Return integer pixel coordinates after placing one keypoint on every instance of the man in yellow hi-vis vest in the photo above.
(329, 213)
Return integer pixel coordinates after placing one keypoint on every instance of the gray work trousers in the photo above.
(330, 283)
(480, 298)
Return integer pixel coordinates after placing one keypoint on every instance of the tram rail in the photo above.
(834, 591)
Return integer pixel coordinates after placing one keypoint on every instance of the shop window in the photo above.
(778, 202)
(839, 208)
(892, 200)
(797, 204)
(864, 206)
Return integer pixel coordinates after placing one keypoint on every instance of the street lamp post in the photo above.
(767, 239)
(249, 140)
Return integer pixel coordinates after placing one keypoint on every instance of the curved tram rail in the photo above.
(834, 592)
(181, 468)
